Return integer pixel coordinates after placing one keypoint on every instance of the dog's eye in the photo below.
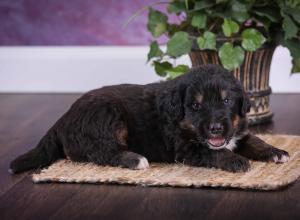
(196, 106)
(227, 101)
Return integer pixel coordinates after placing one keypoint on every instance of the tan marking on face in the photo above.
(236, 121)
(199, 98)
(122, 135)
(224, 94)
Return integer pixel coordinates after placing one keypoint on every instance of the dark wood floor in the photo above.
(25, 118)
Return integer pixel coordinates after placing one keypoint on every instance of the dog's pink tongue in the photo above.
(216, 141)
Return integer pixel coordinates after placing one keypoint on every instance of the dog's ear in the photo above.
(245, 104)
(171, 102)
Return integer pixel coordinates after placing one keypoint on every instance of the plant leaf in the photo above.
(179, 44)
(162, 67)
(176, 7)
(293, 3)
(294, 12)
(157, 22)
(199, 5)
(252, 39)
(230, 27)
(296, 66)
(221, 1)
(239, 10)
(177, 71)
(271, 13)
(289, 27)
(294, 47)
(155, 51)
(199, 20)
(208, 41)
(231, 57)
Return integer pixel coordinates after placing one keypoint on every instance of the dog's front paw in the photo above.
(276, 155)
(235, 164)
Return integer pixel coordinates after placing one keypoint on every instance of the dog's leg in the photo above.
(125, 158)
(223, 159)
(108, 152)
(112, 151)
(102, 139)
(254, 148)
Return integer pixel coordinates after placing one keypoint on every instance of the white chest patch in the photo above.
(232, 144)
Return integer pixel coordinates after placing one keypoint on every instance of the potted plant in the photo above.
(240, 35)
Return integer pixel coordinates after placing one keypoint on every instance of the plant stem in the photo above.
(141, 10)
(213, 25)
(231, 39)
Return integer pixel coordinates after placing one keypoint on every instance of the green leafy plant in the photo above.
(230, 27)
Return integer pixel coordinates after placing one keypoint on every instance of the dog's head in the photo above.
(211, 106)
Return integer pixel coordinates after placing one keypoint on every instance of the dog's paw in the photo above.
(278, 156)
(143, 164)
(133, 161)
(235, 164)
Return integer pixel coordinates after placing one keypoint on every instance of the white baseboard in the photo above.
(79, 69)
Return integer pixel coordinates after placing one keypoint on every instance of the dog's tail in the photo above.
(46, 152)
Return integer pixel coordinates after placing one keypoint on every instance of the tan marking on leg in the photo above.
(122, 135)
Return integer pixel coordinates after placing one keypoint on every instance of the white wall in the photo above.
(78, 69)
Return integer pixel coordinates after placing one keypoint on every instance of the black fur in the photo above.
(164, 122)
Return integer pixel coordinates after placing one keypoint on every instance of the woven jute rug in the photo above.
(262, 176)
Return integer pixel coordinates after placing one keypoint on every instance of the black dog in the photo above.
(197, 119)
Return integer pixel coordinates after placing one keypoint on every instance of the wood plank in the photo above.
(26, 200)
(21, 127)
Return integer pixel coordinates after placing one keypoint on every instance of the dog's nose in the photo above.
(216, 128)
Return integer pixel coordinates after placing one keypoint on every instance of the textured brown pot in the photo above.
(253, 74)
